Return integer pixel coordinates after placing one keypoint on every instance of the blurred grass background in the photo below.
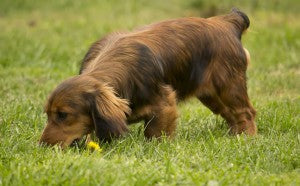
(43, 42)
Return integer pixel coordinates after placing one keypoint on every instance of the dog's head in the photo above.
(81, 105)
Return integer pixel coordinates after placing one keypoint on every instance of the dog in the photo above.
(141, 75)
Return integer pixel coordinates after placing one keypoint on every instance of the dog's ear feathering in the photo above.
(108, 113)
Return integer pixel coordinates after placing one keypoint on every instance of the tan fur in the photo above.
(108, 104)
(164, 114)
(247, 55)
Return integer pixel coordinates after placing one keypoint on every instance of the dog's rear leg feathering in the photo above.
(233, 105)
(229, 97)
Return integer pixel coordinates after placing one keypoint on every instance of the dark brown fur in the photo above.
(128, 77)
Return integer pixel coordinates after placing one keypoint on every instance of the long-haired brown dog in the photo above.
(128, 77)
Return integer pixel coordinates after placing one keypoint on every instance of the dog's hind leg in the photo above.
(213, 103)
(239, 112)
(162, 119)
(232, 103)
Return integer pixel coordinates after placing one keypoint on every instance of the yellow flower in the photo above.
(94, 146)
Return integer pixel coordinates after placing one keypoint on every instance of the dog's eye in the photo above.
(61, 116)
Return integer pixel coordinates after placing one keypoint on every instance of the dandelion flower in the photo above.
(94, 146)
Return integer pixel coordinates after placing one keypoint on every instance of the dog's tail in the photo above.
(243, 18)
(239, 19)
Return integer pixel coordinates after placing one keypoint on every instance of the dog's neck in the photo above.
(113, 80)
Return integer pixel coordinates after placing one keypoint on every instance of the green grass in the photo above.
(42, 43)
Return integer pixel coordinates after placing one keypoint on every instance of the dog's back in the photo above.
(171, 52)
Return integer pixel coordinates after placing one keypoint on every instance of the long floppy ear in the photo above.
(109, 113)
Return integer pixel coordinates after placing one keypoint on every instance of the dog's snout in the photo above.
(51, 135)
(54, 134)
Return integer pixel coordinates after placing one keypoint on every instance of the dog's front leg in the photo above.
(162, 119)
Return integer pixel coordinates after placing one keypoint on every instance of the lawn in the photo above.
(43, 42)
